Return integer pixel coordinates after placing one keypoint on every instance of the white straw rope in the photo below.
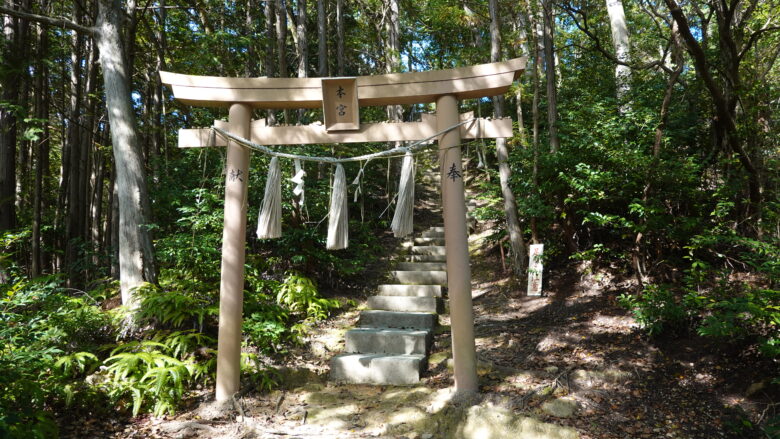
(399, 150)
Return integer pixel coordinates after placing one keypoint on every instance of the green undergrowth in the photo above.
(62, 350)
(730, 292)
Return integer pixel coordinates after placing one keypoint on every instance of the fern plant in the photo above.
(299, 294)
(157, 371)
(76, 363)
(176, 309)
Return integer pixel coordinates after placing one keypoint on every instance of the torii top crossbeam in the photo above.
(390, 89)
(340, 99)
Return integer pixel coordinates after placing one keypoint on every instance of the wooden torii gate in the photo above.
(340, 99)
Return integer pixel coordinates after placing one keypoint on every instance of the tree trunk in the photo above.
(724, 97)
(302, 47)
(281, 44)
(322, 37)
(393, 53)
(42, 148)
(270, 59)
(502, 156)
(252, 68)
(549, 64)
(617, 22)
(136, 255)
(8, 120)
(340, 37)
(537, 31)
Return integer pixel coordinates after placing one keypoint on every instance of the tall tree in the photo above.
(502, 156)
(340, 62)
(136, 255)
(549, 67)
(322, 39)
(42, 147)
(281, 44)
(735, 41)
(11, 73)
(617, 23)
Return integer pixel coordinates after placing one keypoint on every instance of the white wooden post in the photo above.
(457, 248)
(231, 289)
(535, 269)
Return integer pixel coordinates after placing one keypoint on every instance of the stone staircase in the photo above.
(392, 340)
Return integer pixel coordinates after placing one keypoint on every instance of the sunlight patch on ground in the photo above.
(603, 324)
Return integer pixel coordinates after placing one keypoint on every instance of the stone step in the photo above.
(395, 319)
(406, 304)
(427, 258)
(388, 341)
(432, 234)
(410, 290)
(427, 277)
(429, 250)
(429, 241)
(421, 266)
(397, 370)
(436, 229)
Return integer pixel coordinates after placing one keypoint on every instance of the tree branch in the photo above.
(58, 22)
(583, 26)
(753, 39)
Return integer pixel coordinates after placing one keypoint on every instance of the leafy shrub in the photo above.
(655, 309)
(40, 322)
(738, 314)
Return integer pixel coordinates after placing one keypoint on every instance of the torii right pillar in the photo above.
(457, 248)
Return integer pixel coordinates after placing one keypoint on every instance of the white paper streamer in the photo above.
(269, 223)
(338, 222)
(403, 219)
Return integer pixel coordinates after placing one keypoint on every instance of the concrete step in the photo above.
(388, 341)
(429, 250)
(427, 258)
(429, 241)
(421, 266)
(406, 304)
(410, 290)
(397, 370)
(395, 319)
(433, 234)
(427, 277)
(436, 229)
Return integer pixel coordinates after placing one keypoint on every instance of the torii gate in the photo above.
(340, 99)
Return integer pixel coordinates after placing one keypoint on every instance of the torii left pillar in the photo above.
(231, 288)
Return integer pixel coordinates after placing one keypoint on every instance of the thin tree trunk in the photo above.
(252, 68)
(502, 156)
(538, 49)
(24, 152)
(393, 53)
(8, 121)
(638, 257)
(270, 59)
(71, 158)
(281, 44)
(322, 37)
(617, 23)
(42, 147)
(552, 92)
(136, 255)
(340, 62)
(302, 48)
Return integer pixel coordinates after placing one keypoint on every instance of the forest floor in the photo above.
(570, 364)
